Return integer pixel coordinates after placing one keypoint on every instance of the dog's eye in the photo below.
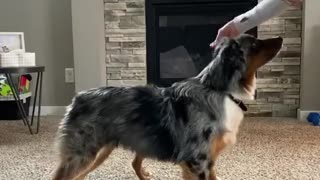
(254, 46)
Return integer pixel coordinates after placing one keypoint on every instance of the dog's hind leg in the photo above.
(140, 171)
(70, 167)
(102, 155)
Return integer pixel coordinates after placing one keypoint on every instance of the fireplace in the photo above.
(278, 82)
(179, 33)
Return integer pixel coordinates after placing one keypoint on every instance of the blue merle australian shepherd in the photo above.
(188, 123)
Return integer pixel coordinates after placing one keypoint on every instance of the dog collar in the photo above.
(239, 103)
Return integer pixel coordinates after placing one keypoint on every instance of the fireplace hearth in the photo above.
(179, 33)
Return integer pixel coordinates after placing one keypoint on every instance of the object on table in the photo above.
(16, 59)
(314, 118)
(12, 41)
(2, 79)
(5, 90)
(13, 52)
(25, 83)
(5, 49)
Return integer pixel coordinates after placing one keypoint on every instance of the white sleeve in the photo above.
(259, 14)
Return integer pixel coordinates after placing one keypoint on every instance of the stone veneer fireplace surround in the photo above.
(278, 81)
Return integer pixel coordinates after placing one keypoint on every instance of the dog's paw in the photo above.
(145, 174)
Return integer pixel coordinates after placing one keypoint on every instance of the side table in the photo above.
(8, 71)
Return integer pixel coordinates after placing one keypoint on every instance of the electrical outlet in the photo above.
(69, 75)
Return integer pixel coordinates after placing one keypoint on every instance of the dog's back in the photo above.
(135, 117)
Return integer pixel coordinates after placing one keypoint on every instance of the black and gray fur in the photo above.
(173, 124)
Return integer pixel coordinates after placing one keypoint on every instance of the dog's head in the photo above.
(235, 64)
(257, 53)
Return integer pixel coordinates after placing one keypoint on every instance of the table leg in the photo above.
(39, 103)
(19, 77)
(35, 98)
(18, 101)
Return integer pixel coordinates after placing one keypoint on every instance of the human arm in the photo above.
(265, 10)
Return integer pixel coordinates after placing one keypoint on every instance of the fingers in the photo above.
(218, 38)
(228, 30)
(213, 44)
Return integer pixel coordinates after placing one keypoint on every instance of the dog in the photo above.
(188, 123)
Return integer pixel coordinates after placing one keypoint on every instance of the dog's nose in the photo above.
(276, 41)
(279, 39)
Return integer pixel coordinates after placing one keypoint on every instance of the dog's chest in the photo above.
(233, 116)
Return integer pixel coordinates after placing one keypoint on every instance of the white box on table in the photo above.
(17, 59)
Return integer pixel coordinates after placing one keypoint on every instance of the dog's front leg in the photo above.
(213, 175)
(140, 171)
(217, 146)
(186, 172)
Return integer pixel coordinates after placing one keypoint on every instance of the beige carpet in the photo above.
(266, 149)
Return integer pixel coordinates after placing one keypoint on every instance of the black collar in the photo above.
(238, 102)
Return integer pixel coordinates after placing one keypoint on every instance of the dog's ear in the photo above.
(228, 60)
(232, 54)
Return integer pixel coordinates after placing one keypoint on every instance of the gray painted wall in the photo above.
(48, 32)
(89, 43)
(310, 72)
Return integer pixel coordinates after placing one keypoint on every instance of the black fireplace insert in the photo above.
(179, 33)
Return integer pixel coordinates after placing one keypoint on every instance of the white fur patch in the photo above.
(233, 118)
(248, 92)
(251, 89)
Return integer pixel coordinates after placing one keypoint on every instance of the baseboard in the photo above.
(50, 110)
(303, 114)
(61, 110)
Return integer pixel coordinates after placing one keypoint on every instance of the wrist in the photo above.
(239, 23)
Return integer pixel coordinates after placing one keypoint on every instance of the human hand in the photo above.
(228, 30)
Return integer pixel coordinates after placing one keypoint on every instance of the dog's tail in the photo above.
(73, 155)
(76, 142)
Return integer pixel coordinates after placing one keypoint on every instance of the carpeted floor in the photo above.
(266, 149)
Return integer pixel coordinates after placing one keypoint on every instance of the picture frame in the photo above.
(10, 41)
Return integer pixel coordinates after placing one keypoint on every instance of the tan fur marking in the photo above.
(102, 155)
(63, 173)
(186, 173)
(217, 146)
(270, 48)
(140, 171)
(249, 80)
